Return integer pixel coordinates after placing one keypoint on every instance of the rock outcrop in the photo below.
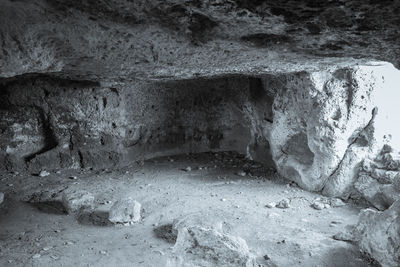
(325, 124)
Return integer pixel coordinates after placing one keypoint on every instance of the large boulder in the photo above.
(326, 123)
(378, 234)
(198, 246)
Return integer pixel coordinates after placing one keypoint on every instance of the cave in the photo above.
(199, 133)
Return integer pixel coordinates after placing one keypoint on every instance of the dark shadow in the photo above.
(166, 232)
(96, 218)
(50, 207)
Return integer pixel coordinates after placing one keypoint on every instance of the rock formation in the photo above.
(308, 87)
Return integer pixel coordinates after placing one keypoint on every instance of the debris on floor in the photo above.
(43, 173)
(283, 204)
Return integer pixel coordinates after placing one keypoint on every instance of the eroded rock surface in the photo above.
(117, 40)
(198, 246)
(378, 234)
(325, 124)
(126, 210)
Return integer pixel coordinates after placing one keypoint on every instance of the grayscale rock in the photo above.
(126, 210)
(75, 200)
(198, 246)
(378, 234)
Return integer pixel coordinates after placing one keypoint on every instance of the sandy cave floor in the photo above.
(42, 235)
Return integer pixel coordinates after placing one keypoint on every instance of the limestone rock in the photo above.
(379, 179)
(325, 124)
(43, 173)
(77, 200)
(198, 246)
(126, 210)
(378, 234)
(283, 204)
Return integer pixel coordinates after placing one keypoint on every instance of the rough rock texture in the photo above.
(198, 246)
(378, 234)
(316, 127)
(325, 124)
(117, 40)
(379, 179)
(126, 210)
(145, 78)
(77, 200)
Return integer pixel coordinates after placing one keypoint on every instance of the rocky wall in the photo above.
(51, 123)
(318, 128)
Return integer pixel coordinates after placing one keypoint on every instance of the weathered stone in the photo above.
(126, 210)
(379, 179)
(325, 124)
(198, 246)
(378, 234)
(77, 200)
(283, 204)
(44, 173)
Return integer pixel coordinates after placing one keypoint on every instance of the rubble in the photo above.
(283, 204)
(378, 234)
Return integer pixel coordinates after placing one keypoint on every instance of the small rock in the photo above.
(73, 177)
(271, 205)
(320, 204)
(223, 199)
(36, 256)
(241, 173)
(44, 173)
(188, 169)
(336, 202)
(283, 204)
(1, 197)
(76, 200)
(125, 211)
(47, 248)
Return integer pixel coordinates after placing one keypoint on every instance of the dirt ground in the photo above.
(220, 187)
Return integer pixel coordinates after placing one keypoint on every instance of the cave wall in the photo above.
(53, 123)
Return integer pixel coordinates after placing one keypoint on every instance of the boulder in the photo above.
(126, 210)
(198, 246)
(378, 234)
(77, 200)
